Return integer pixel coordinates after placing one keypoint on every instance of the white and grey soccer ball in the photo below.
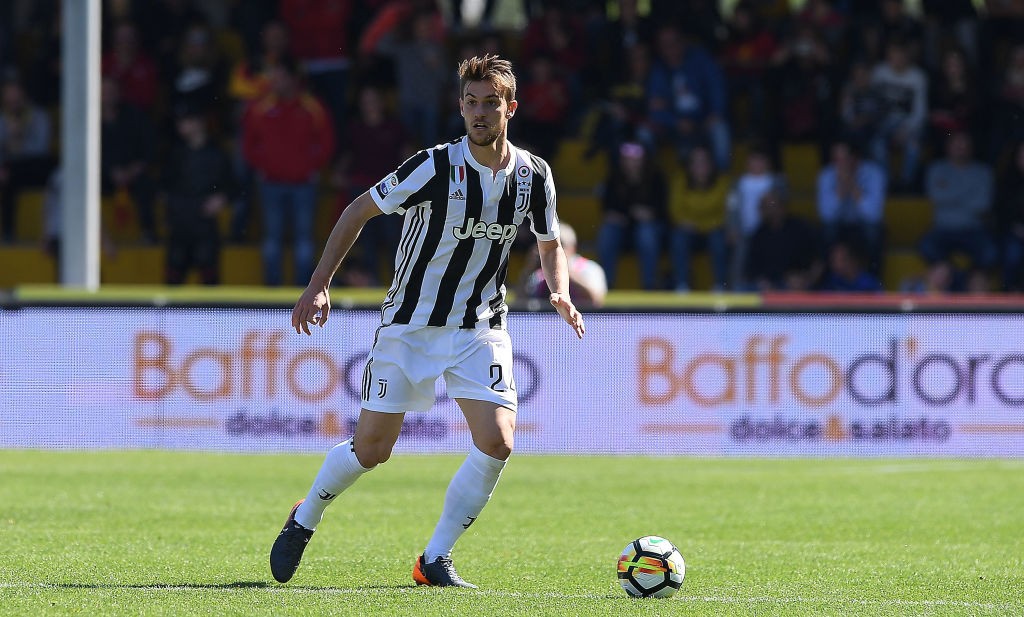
(651, 567)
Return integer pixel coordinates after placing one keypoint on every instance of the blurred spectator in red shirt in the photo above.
(288, 137)
(320, 39)
(250, 80)
(544, 112)
(376, 140)
(131, 67)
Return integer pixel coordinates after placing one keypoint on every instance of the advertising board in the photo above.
(696, 384)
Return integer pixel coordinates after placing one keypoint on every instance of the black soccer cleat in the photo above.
(287, 550)
(440, 573)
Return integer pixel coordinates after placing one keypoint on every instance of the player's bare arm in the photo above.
(556, 273)
(314, 305)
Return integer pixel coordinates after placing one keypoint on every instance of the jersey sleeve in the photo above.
(404, 188)
(543, 219)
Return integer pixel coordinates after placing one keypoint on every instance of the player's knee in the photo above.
(499, 447)
(372, 453)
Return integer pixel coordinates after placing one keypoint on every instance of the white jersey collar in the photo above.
(468, 155)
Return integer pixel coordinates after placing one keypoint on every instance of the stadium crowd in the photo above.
(252, 111)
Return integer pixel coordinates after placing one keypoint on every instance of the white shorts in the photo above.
(406, 360)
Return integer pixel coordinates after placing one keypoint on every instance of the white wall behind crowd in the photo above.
(733, 384)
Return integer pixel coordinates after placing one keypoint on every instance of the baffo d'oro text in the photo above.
(765, 371)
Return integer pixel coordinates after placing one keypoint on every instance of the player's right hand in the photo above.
(313, 307)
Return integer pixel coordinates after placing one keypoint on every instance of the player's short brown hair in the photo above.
(490, 68)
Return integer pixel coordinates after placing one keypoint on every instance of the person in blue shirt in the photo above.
(851, 200)
(846, 269)
(686, 96)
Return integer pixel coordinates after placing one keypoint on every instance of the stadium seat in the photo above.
(574, 172)
(26, 264)
(30, 216)
(906, 220)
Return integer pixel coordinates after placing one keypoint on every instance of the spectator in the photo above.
(198, 184)
(287, 137)
(250, 77)
(25, 159)
(545, 97)
(320, 40)
(199, 76)
(803, 79)
(556, 34)
(459, 22)
(861, 105)
(686, 94)
(960, 190)
(904, 91)
(746, 59)
(744, 206)
(162, 25)
(127, 149)
(897, 24)
(132, 69)
(1009, 109)
(826, 19)
(624, 33)
(847, 269)
(634, 209)
(250, 81)
(422, 75)
(376, 139)
(950, 19)
(623, 116)
(784, 254)
(1010, 220)
(851, 200)
(955, 100)
(587, 284)
(940, 278)
(697, 208)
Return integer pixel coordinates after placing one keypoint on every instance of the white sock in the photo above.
(467, 495)
(340, 470)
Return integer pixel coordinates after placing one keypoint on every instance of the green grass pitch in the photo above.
(169, 533)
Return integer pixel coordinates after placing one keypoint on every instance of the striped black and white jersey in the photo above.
(460, 221)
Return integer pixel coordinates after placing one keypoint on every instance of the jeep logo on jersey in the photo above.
(479, 229)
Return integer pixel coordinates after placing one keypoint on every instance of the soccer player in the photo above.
(444, 314)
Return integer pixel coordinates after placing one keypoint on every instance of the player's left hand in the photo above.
(568, 311)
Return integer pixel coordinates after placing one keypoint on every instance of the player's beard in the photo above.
(489, 136)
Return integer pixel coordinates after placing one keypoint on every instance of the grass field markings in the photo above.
(406, 589)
